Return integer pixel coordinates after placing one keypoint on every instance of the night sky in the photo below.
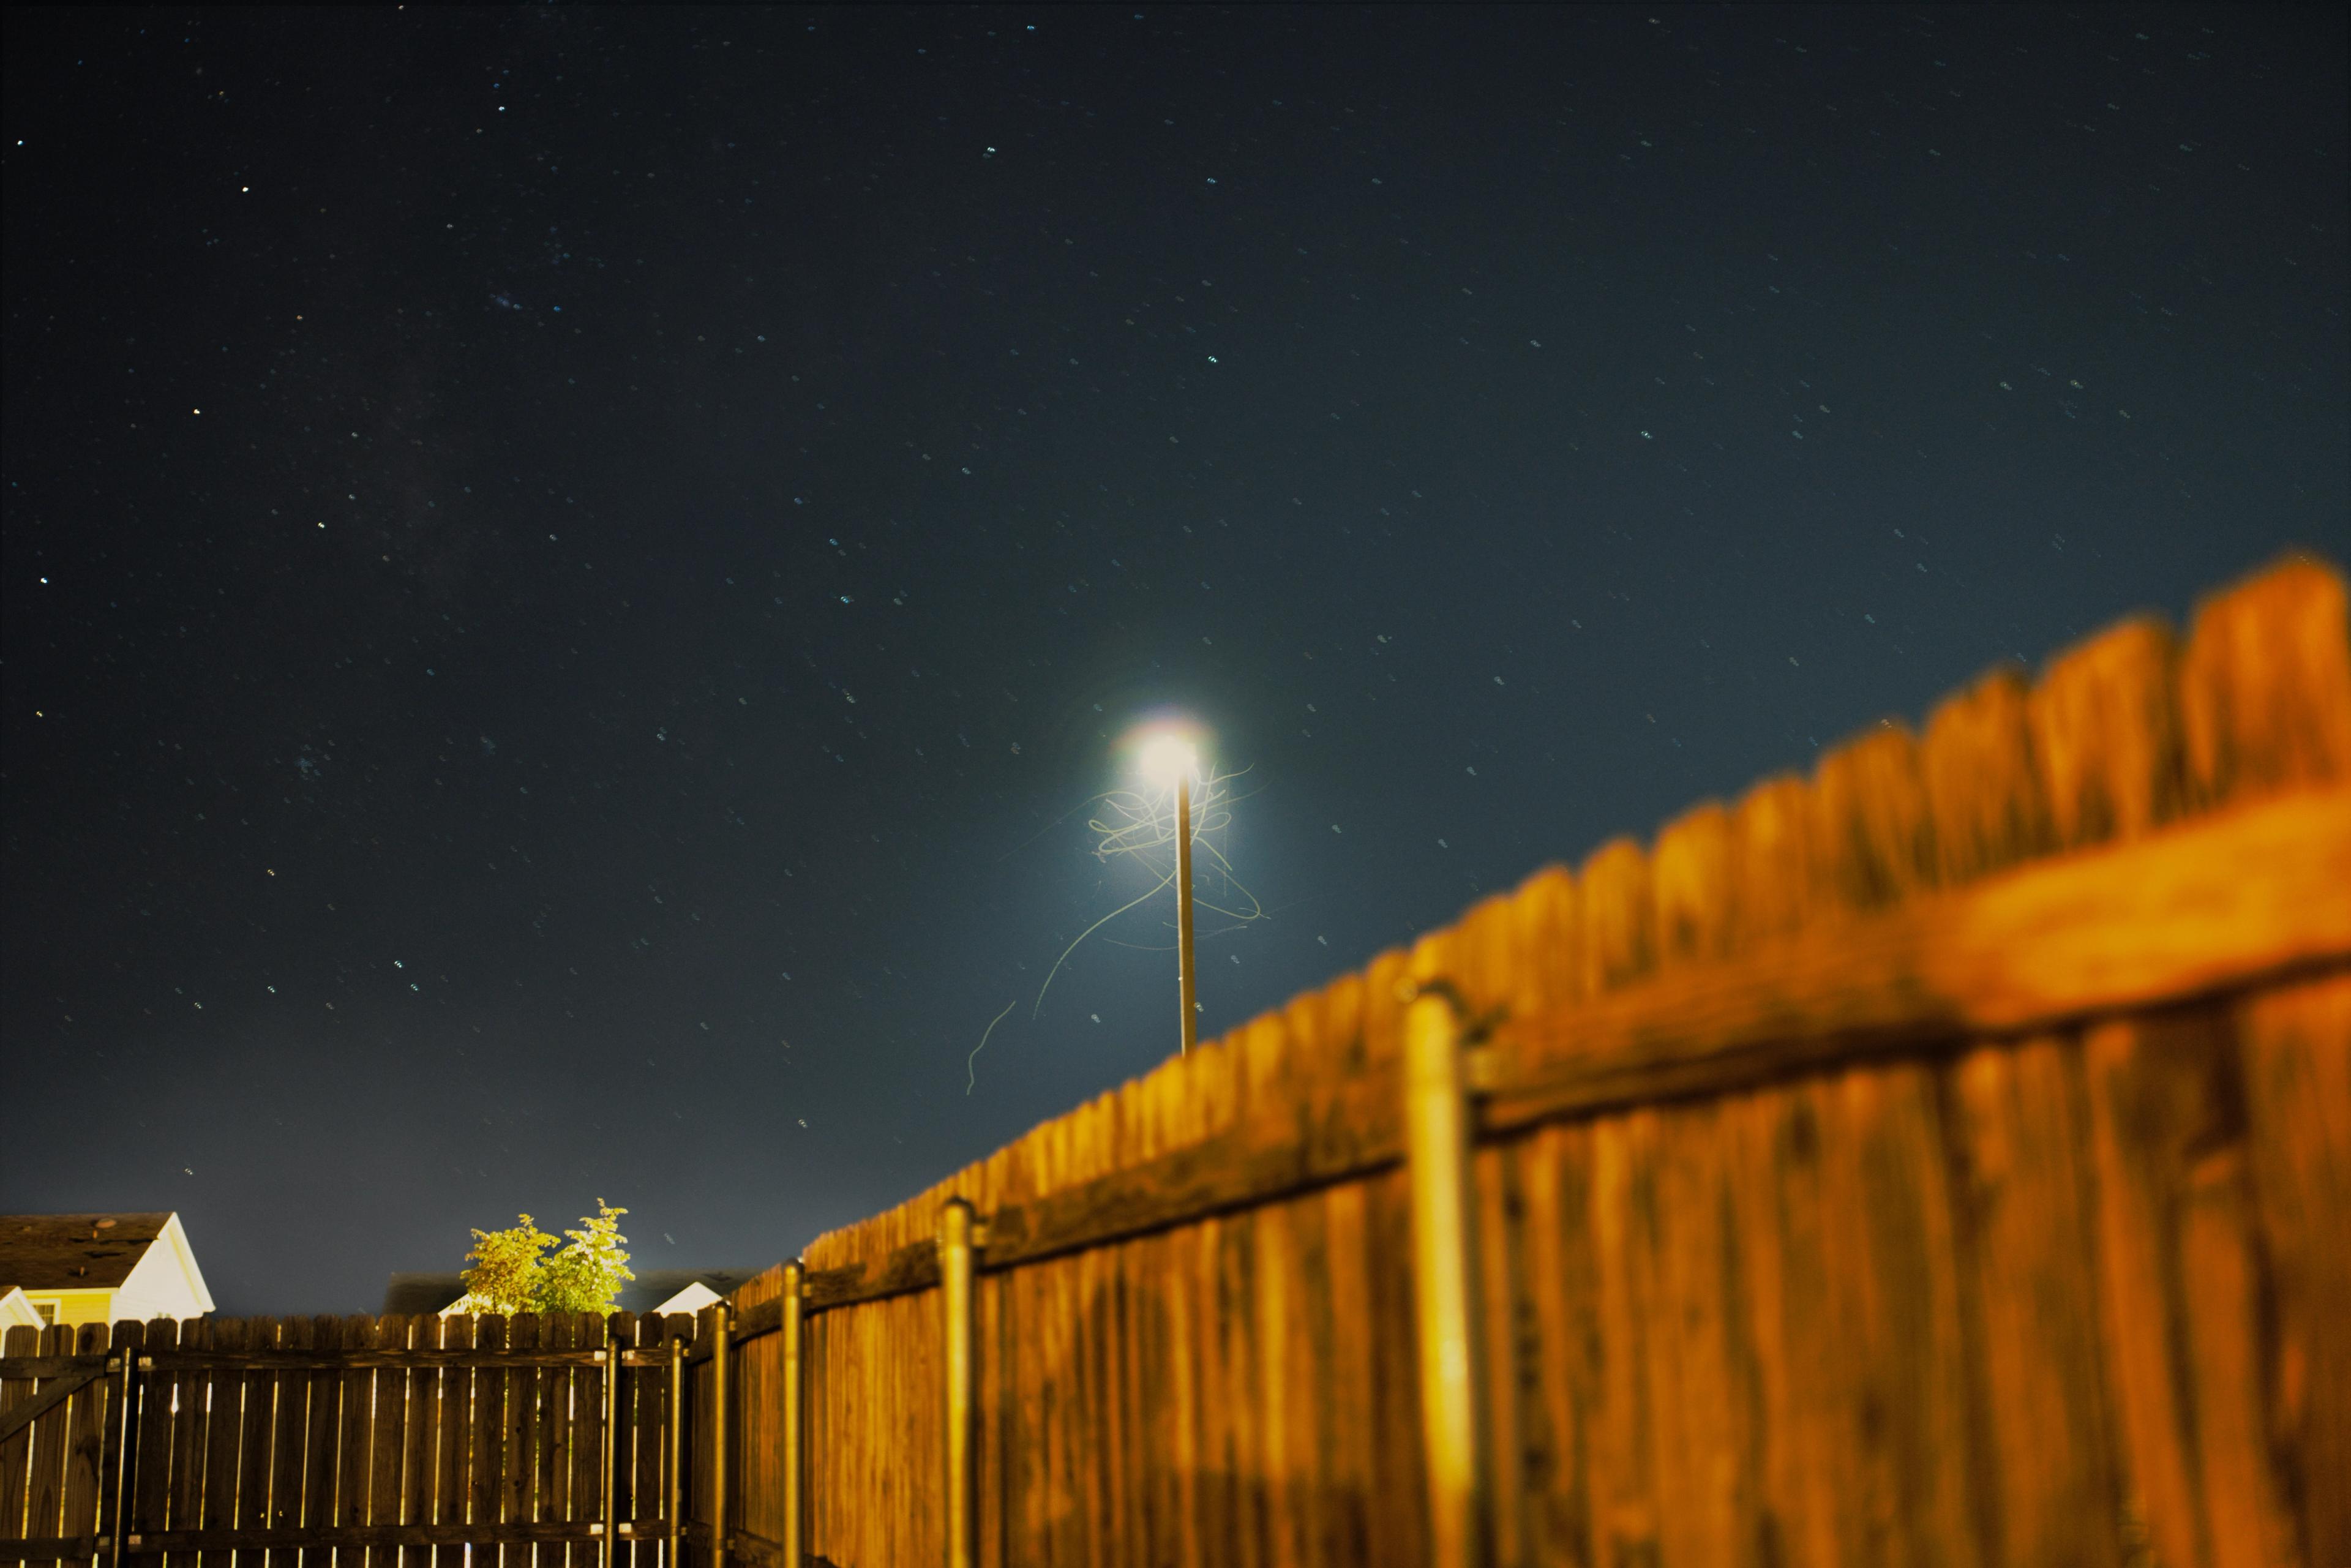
(571, 576)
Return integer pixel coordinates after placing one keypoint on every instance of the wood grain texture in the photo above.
(221, 1395)
(190, 1418)
(420, 1434)
(288, 1429)
(2026, 1205)
(2227, 901)
(2184, 1286)
(19, 1344)
(2265, 687)
(2294, 1046)
(255, 1461)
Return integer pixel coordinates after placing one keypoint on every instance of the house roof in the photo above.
(74, 1251)
(414, 1293)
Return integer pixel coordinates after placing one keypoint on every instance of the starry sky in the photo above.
(574, 578)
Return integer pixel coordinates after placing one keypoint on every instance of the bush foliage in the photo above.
(509, 1270)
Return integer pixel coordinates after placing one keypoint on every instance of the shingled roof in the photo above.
(74, 1251)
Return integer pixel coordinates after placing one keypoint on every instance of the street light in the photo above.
(1171, 759)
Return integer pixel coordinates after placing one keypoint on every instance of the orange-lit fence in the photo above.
(1945, 1159)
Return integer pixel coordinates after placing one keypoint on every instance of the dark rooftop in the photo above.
(75, 1251)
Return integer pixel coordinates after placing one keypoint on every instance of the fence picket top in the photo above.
(1775, 864)
(1982, 788)
(2265, 685)
(1873, 821)
(2106, 735)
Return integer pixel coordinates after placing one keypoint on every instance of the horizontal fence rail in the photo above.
(2225, 905)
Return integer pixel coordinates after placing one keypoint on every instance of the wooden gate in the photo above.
(421, 1441)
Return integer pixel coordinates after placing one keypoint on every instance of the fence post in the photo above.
(954, 1297)
(1445, 1278)
(675, 1444)
(718, 1435)
(795, 1407)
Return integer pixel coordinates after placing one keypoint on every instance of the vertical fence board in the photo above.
(420, 1438)
(85, 1439)
(2020, 1149)
(698, 1434)
(1772, 1157)
(2296, 1061)
(587, 1429)
(1400, 1499)
(453, 1399)
(46, 1484)
(2183, 1279)
(387, 1439)
(621, 1335)
(17, 1453)
(354, 1469)
(255, 1459)
(486, 1431)
(647, 1391)
(517, 1471)
(323, 1441)
(288, 1443)
(158, 1415)
(993, 1378)
(552, 1459)
(1704, 1375)
(122, 1434)
(214, 1492)
(192, 1401)
(1894, 1289)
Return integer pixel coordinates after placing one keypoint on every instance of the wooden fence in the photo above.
(1944, 1159)
(362, 1442)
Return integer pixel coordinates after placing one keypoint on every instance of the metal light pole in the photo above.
(1184, 906)
(1169, 759)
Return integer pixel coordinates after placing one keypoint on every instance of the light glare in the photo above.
(1167, 757)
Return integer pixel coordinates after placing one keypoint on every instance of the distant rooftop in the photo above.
(415, 1293)
(76, 1251)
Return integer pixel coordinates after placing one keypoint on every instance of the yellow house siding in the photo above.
(73, 1307)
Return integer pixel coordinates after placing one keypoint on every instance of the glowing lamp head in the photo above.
(1164, 758)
